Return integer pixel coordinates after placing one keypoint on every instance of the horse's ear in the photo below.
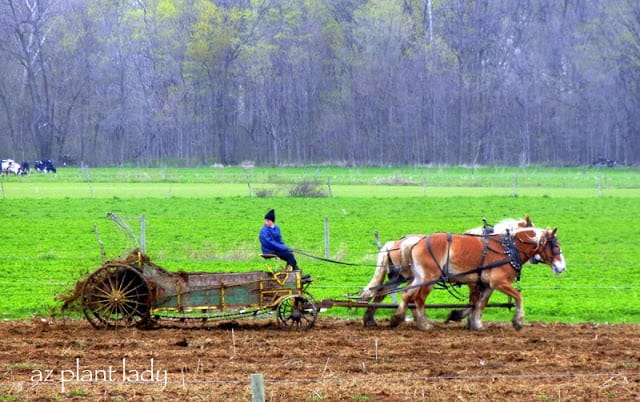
(554, 231)
(527, 221)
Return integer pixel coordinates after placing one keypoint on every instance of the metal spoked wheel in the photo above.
(297, 312)
(116, 295)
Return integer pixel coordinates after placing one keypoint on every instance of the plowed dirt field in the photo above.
(336, 360)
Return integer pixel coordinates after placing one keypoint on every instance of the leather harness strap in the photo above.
(444, 270)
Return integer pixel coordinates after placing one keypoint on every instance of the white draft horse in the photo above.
(394, 262)
(486, 262)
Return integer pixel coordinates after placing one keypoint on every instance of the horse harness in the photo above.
(509, 249)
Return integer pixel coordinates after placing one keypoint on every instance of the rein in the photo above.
(323, 259)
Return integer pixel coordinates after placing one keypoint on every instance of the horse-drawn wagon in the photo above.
(136, 292)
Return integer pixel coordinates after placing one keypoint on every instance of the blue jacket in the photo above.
(271, 240)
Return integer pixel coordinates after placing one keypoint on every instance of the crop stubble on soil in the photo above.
(336, 360)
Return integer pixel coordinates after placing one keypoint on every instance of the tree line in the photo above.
(354, 82)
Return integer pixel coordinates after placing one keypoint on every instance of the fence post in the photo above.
(257, 388)
(246, 175)
(376, 235)
(599, 185)
(326, 237)
(143, 234)
(87, 177)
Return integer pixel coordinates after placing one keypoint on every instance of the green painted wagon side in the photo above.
(221, 291)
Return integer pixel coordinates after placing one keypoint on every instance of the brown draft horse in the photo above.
(484, 263)
(504, 226)
(394, 262)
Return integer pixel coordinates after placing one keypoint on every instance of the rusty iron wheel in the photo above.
(116, 295)
(297, 312)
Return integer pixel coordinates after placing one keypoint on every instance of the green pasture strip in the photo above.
(576, 177)
(23, 190)
(50, 243)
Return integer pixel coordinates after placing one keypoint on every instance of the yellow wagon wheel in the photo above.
(297, 312)
(116, 295)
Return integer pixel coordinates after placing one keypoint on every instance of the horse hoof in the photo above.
(370, 323)
(455, 315)
(424, 325)
(474, 327)
(395, 321)
(517, 325)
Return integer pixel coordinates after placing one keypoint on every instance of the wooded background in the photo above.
(198, 82)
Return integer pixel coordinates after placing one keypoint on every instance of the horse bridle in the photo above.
(553, 241)
(550, 241)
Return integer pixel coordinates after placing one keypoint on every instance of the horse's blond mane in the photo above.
(508, 221)
(537, 238)
(502, 226)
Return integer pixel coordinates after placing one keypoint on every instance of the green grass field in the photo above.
(208, 220)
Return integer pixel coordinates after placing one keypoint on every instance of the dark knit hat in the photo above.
(271, 215)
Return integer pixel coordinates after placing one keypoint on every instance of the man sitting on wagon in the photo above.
(272, 243)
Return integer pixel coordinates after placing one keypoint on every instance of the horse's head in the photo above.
(543, 245)
(524, 223)
(512, 225)
(550, 252)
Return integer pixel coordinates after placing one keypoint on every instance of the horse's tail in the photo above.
(406, 260)
(382, 269)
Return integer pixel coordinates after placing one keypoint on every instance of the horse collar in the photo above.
(512, 252)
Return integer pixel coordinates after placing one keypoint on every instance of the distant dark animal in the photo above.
(602, 162)
(45, 166)
(25, 168)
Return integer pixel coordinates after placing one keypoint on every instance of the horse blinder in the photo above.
(549, 241)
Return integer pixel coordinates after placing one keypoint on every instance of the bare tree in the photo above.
(28, 23)
(497, 82)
